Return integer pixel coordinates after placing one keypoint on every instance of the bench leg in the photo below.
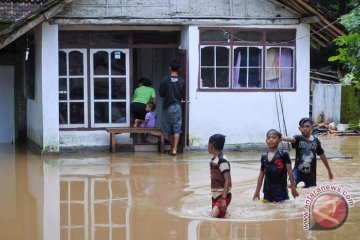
(161, 143)
(112, 142)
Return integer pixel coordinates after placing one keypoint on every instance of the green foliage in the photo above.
(350, 105)
(352, 20)
(349, 48)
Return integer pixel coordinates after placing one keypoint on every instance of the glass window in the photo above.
(108, 38)
(247, 70)
(250, 59)
(279, 68)
(214, 36)
(248, 37)
(110, 88)
(215, 65)
(72, 88)
(281, 36)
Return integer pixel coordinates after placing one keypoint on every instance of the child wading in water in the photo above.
(307, 146)
(275, 166)
(150, 117)
(220, 177)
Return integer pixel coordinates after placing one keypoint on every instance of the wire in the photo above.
(291, 41)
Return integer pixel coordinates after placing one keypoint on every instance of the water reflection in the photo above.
(92, 196)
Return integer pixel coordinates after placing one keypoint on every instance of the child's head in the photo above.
(305, 126)
(150, 106)
(216, 143)
(175, 65)
(273, 138)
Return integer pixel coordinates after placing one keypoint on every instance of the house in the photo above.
(69, 68)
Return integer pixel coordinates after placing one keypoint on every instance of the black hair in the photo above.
(217, 140)
(304, 120)
(151, 105)
(175, 65)
(145, 81)
(274, 131)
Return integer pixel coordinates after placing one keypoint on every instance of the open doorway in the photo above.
(153, 63)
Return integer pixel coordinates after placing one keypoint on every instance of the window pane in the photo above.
(286, 78)
(62, 63)
(63, 116)
(71, 38)
(76, 88)
(243, 77)
(222, 56)
(62, 89)
(214, 35)
(207, 77)
(118, 88)
(254, 77)
(254, 57)
(247, 36)
(101, 63)
(222, 77)
(280, 36)
(118, 63)
(207, 56)
(106, 38)
(76, 113)
(76, 66)
(118, 112)
(272, 64)
(240, 57)
(101, 112)
(101, 88)
(286, 57)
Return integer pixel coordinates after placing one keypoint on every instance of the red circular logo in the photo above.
(330, 210)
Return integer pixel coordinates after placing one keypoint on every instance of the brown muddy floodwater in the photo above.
(103, 196)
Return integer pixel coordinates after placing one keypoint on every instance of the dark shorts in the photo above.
(138, 110)
(280, 197)
(217, 202)
(308, 179)
(172, 119)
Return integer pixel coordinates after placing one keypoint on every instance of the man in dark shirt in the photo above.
(171, 89)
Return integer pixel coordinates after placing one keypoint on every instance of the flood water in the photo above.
(103, 196)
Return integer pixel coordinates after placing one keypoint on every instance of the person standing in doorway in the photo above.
(172, 89)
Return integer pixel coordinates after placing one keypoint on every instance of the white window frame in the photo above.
(261, 48)
(126, 76)
(293, 66)
(215, 67)
(85, 82)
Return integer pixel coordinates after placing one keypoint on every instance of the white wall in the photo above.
(43, 110)
(245, 117)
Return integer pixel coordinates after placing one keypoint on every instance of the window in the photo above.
(279, 68)
(247, 69)
(108, 88)
(109, 84)
(72, 88)
(260, 59)
(215, 64)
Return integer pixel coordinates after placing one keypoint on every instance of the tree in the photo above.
(349, 47)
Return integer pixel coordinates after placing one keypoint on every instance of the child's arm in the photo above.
(144, 122)
(227, 183)
(258, 186)
(288, 139)
(326, 163)
(292, 181)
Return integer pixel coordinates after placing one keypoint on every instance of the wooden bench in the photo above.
(152, 131)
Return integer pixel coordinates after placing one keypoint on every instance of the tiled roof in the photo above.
(11, 11)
